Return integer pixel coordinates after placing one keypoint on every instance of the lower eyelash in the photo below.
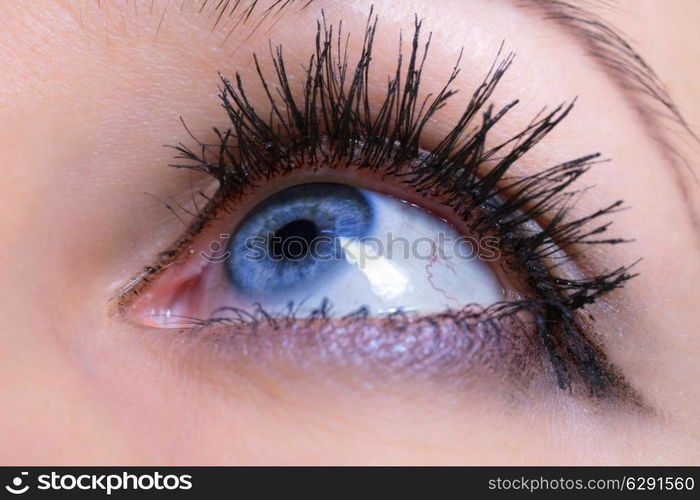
(453, 342)
(500, 342)
(335, 123)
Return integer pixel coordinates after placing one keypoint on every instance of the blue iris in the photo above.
(291, 240)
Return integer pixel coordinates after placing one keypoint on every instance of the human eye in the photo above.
(332, 247)
(295, 245)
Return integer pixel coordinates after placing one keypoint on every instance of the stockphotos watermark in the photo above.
(358, 250)
(106, 483)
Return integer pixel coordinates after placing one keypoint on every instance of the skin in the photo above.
(89, 95)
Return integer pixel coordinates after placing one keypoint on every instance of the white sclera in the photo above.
(413, 261)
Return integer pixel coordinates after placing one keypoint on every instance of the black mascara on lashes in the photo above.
(336, 123)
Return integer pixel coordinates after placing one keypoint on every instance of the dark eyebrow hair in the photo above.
(639, 84)
(610, 48)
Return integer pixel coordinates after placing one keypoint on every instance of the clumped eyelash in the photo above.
(336, 123)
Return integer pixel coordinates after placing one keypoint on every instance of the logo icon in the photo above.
(215, 248)
(16, 483)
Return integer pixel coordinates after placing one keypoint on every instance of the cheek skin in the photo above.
(85, 387)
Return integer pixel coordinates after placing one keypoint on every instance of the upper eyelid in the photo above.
(602, 43)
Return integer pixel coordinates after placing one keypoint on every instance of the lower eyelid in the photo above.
(497, 343)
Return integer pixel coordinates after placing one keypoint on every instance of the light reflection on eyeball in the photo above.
(308, 243)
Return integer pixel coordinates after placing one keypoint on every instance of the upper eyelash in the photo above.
(335, 112)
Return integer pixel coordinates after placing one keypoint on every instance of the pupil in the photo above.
(292, 241)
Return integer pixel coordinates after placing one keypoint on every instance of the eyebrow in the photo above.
(638, 83)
